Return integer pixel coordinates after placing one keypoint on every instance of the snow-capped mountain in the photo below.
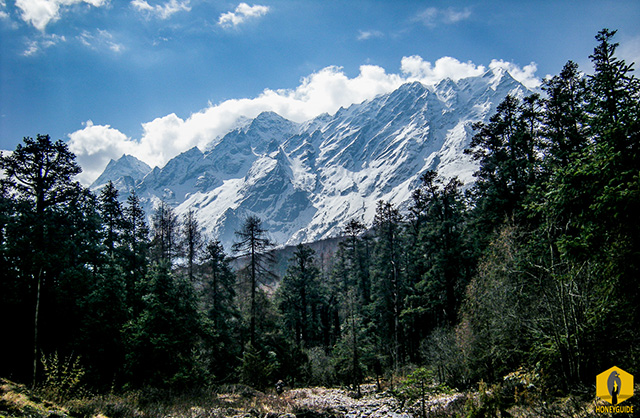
(305, 181)
(125, 173)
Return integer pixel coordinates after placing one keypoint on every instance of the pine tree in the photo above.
(112, 217)
(106, 314)
(508, 149)
(135, 257)
(591, 226)
(299, 296)
(565, 116)
(165, 243)
(254, 245)
(191, 241)
(219, 293)
(163, 341)
(41, 173)
(445, 259)
(355, 252)
(136, 234)
(388, 278)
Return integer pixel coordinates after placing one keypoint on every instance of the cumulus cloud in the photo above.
(446, 67)
(40, 13)
(241, 14)
(163, 11)
(324, 91)
(432, 16)
(95, 145)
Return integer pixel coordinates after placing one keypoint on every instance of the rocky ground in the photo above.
(239, 401)
(371, 404)
(235, 401)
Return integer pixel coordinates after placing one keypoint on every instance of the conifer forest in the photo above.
(533, 269)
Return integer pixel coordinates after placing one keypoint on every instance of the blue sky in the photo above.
(155, 77)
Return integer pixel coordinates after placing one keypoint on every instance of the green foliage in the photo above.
(62, 378)
(498, 311)
(218, 296)
(163, 341)
(508, 149)
(106, 314)
(112, 217)
(442, 255)
(41, 171)
(320, 367)
(300, 299)
(165, 245)
(489, 402)
(421, 383)
(389, 285)
(258, 367)
(254, 245)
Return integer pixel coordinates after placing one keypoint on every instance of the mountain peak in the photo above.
(267, 119)
(306, 180)
(500, 76)
(412, 87)
(124, 171)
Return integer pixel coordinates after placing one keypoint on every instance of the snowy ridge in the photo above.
(305, 181)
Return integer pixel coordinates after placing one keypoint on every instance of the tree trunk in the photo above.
(35, 332)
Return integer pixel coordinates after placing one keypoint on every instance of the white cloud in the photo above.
(40, 13)
(446, 67)
(44, 41)
(324, 91)
(432, 16)
(100, 39)
(241, 14)
(3, 10)
(525, 75)
(363, 35)
(95, 145)
(161, 11)
(450, 15)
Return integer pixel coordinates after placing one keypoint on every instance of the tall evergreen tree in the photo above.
(388, 279)
(191, 241)
(219, 297)
(254, 245)
(136, 253)
(112, 217)
(508, 149)
(355, 253)
(163, 341)
(565, 117)
(299, 296)
(591, 227)
(41, 173)
(445, 260)
(165, 244)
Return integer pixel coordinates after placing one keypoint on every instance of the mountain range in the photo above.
(306, 180)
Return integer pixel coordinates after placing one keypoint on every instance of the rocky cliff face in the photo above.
(306, 180)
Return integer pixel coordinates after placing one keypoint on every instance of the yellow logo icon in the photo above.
(614, 385)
